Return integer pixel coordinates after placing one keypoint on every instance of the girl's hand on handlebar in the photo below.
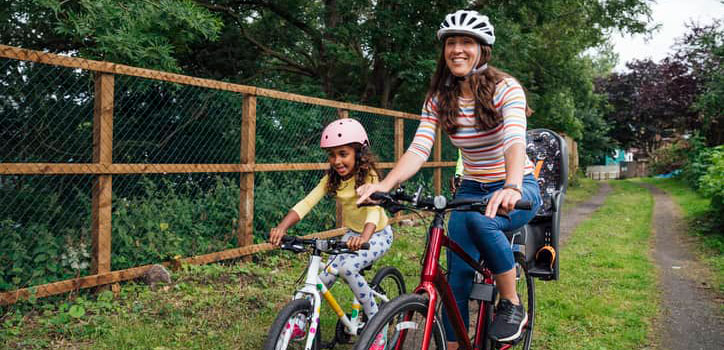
(503, 201)
(275, 236)
(355, 242)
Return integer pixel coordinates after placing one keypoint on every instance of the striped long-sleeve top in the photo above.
(482, 150)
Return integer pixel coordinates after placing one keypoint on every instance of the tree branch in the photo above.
(297, 67)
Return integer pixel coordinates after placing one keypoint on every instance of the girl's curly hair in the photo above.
(364, 165)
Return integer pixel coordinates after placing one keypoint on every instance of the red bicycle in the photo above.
(412, 321)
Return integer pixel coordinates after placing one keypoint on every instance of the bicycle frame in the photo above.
(435, 285)
(314, 288)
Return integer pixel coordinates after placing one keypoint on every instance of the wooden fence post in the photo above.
(399, 145)
(399, 138)
(245, 234)
(102, 184)
(437, 157)
(342, 113)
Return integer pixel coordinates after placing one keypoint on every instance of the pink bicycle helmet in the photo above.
(343, 131)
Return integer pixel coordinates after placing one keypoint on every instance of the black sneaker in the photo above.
(509, 321)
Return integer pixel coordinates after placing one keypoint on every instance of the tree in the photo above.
(650, 101)
(150, 34)
(702, 52)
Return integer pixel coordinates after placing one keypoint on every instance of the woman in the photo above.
(483, 110)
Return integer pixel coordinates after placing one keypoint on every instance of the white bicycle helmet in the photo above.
(467, 23)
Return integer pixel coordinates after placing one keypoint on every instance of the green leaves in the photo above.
(76, 311)
(142, 33)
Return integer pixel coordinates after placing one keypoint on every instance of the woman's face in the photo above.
(461, 54)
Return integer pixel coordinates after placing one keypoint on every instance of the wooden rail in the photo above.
(115, 68)
(111, 169)
(103, 168)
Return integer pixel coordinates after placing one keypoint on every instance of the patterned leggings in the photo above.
(349, 265)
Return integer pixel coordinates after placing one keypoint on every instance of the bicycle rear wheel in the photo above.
(292, 327)
(389, 282)
(525, 287)
(401, 324)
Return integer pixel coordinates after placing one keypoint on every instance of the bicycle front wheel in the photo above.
(292, 327)
(400, 324)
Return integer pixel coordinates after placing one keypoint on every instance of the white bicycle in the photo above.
(297, 325)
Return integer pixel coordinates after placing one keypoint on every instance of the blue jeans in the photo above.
(479, 236)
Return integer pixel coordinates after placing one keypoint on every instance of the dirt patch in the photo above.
(691, 316)
(574, 215)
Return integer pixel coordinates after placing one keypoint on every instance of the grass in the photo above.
(213, 306)
(696, 210)
(605, 298)
(580, 191)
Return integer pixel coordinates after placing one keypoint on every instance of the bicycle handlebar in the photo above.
(330, 246)
(392, 202)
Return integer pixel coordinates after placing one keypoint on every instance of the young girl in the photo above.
(351, 164)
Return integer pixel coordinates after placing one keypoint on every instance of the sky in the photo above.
(672, 15)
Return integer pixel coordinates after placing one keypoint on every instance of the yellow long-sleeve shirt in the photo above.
(353, 217)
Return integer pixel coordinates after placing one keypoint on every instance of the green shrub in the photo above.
(711, 183)
(670, 157)
(172, 219)
(697, 161)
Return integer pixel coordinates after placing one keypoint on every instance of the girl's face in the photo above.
(342, 160)
(461, 54)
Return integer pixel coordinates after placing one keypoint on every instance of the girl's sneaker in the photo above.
(380, 342)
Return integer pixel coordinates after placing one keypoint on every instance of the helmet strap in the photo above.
(476, 69)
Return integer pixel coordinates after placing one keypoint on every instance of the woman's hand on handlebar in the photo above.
(275, 236)
(364, 192)
(503, 201)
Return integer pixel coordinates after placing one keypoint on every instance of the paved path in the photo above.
(691, 318)
(575, 215)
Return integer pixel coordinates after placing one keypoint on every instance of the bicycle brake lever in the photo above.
(395, 208)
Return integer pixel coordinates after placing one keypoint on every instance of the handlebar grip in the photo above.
(524, 205)
(343, 245)
(378, 196)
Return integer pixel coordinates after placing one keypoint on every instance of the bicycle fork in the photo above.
(314, 287)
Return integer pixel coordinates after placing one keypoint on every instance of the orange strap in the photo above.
(550, 250)
(538, 167)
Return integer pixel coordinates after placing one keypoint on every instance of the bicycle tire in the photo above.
(295, 308)
(391, 319)
(525, 287)
(390, 282)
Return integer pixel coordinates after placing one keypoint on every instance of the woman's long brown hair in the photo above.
(364, 164)
(445, 87)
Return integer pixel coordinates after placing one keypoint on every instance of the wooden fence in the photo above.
(103, 167)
